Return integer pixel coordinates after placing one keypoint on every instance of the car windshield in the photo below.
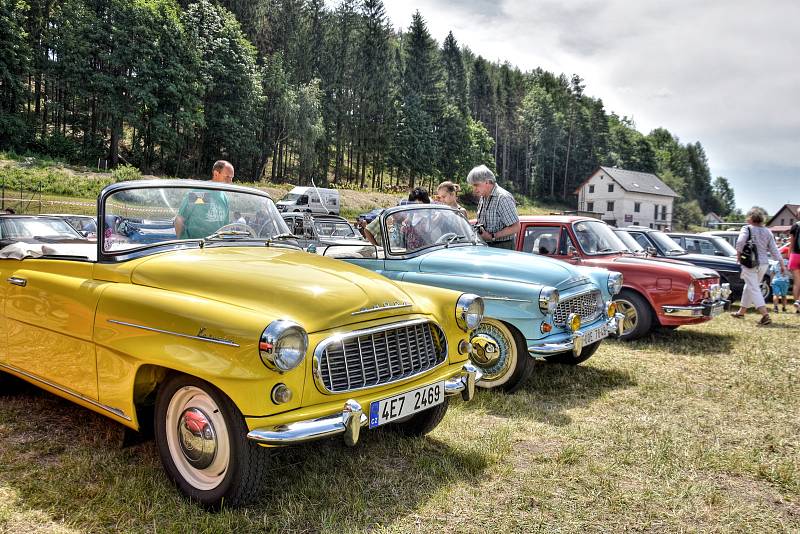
(334, 228)
(34, 228)
(665, 243)
(629, 241)
(410, 230)
(147, 215)
(292, 197)
(595, 237)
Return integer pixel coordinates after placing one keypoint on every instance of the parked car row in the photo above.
(270, 329)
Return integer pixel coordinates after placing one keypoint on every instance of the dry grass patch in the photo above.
(692, 430)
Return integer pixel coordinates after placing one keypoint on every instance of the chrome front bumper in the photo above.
(702, 310)
(575, 342)
(350, 420)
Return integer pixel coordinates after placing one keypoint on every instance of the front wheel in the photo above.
(507, 369)
(202, 440)
(569, 358)
(636, 310)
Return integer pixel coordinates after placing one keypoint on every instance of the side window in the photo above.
(303, 200)
(541, 240)
(691, 245)
(641, 239)
(706, 247)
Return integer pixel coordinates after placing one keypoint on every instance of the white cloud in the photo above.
(724, 73)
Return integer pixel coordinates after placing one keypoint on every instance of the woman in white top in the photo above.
(765, 245)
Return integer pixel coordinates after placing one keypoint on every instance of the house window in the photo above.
(610, 188)
(781, 222)
(590, 206)
(651, 225)
(655, 213)
(637, 207)
(610, 206)
(591, 190)
(663, 213)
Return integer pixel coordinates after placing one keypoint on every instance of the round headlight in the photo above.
(469, 311)
(283, 345)
(548, 300)
(690, 292)
(614, 283)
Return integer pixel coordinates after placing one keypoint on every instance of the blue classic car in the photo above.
(542, 307)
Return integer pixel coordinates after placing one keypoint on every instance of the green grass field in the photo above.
(685, 431)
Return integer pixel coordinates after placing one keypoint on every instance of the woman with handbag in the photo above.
(755, 245)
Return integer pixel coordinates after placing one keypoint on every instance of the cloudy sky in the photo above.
(722, 72)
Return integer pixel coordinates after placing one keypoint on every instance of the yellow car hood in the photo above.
(318, 293)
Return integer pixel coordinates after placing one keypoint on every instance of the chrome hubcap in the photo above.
(496, 366)
(631, 317)
(485, 350)
(197, 438)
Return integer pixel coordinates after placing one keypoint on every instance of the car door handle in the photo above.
(17, 281)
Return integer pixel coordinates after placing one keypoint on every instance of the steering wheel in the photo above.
(444, 238)
(237, 227)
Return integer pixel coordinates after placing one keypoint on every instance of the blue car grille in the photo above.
(588, 305)
(379, 356)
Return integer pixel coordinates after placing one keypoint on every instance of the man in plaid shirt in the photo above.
(497, 209)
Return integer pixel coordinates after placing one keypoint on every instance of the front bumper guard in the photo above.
(352, 417)
(710, 309)
(575, 342)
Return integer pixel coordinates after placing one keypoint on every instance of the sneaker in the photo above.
(775, 308)
(764, 321)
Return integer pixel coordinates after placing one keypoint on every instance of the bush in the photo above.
(125, 173)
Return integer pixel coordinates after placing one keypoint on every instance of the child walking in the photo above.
(780, 283)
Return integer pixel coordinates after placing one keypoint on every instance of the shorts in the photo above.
(794, 261)
(780, 287)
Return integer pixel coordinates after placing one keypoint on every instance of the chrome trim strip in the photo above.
(17, 281)
(187, 336)
(507, 299)
(382, 308)
(337, 338)
(110, 409)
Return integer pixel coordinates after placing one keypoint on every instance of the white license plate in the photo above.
(388, 410)
(592, 336)
(717, 309)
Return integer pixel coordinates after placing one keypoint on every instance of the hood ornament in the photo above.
(381, 307)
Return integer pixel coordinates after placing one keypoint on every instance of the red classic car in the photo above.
(655, 293)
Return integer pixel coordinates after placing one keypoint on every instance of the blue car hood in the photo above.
(479, 262)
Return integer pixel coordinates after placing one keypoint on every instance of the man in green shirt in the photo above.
(203, 213)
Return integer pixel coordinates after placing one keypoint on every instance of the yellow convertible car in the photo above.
(196, 313)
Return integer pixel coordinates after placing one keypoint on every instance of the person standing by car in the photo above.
(498, 220)
(794, 262)
(201, 215)
(765, 246)
(447, 194)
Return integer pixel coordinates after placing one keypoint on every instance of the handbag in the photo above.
(749, 255)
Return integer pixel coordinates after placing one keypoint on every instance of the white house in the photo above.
(626, 198)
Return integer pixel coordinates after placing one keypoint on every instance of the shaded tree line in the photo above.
(294, 90)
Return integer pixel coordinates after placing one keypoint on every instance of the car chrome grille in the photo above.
(588, 305)
(378, 356)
